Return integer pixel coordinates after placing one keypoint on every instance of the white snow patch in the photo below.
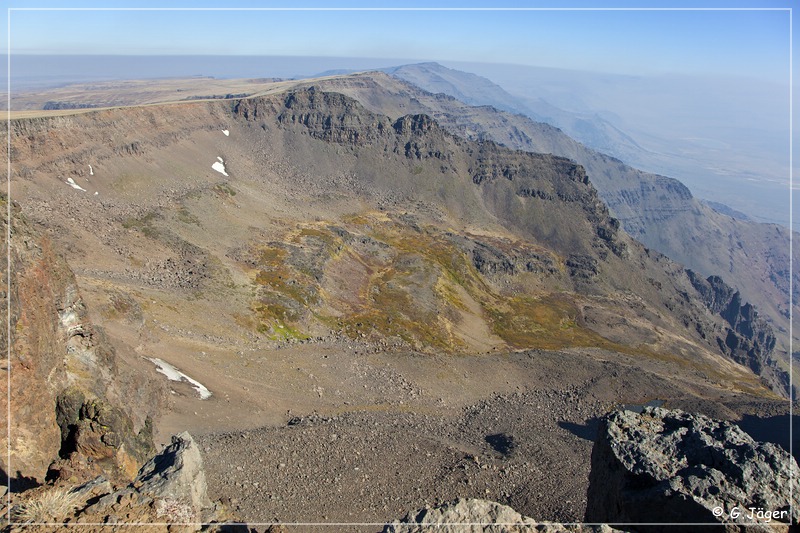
(220, 159)
(226, 132)
(91, 172)
(219, 167)
(96, 193)
(71, 183)
(173, 374)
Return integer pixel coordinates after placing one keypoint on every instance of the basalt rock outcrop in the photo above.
(98, 437)
(553, 183)
(173, 478)
(67, 382)
(747, 338)
(667, 466)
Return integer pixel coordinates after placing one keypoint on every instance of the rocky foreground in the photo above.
(648, 469)
(664, 466)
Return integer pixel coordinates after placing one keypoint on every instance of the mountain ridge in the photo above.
(443, 176)
(657, 210)
(589, 129)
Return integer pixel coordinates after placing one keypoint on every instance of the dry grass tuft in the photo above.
(55, 505)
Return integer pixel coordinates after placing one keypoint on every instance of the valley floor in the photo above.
(418, 430)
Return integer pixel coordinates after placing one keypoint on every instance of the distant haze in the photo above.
(726, 138)
(50, 70)
(639, 41)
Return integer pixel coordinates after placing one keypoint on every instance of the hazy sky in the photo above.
(747, 42)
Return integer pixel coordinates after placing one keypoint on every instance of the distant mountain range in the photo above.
(648, 122)
(589, 129)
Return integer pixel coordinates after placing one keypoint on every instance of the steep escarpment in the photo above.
(328, 275)
(658, 211)
(415, 139)
(242, 228)
(749, 339)
(545, 200)
(77, 408)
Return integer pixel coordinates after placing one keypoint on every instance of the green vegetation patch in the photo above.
(186, 216)
(283, 295)
(143, 224)
(547, 323)
(434, 246)
(273, 320)
(415, 290)
(287, 281)
(409, 295)
(224, 190)
(396, 311)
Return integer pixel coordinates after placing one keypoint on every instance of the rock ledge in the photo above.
(667, 466)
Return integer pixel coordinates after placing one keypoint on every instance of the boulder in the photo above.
(176, 473)
(172, 482)
(169, 494)
(478, 516)
(666, 466)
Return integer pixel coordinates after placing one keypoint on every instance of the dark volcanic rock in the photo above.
(662, 466)
(490, 260)
(101, 433)
(749, 340)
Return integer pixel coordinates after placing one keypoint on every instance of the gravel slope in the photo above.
(522, 449)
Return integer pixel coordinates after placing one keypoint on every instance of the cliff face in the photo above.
(656, 210)
(38, 350)
(748, 332)
(509, 181)
(544, 198)
(746, 337)
(70, 393)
